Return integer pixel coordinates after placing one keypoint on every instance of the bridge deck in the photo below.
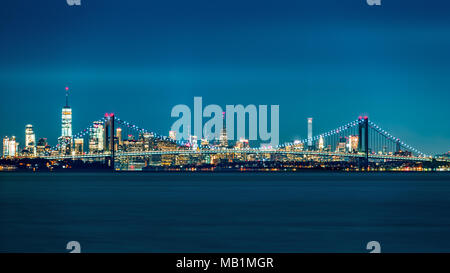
(245, 151)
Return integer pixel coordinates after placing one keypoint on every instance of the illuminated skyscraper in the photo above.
(66, 129)
(194, 143)
(119, 136)
(13, 147)
(321, 143)
(65, 141)
(223, 138)
(352, 145)
(310, 120)
(5, 146)
(30, 139)
(10, 146)
(147, 141)
(96, 137)
(223, 135)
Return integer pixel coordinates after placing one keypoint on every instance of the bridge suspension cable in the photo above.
(395, 139)
(331, 141)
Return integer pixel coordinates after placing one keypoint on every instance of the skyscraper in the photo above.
(194, 143)
(5, 146)
(223, 134)
(30, 139)
(66, 129)
(10, 146)
(119, 136)
(353, 143)
(65, 141)
(13, 147)
(321, 143)
(310, 120)
(96, 137)
(147, 141)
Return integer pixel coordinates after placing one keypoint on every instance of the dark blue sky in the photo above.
(332, 60)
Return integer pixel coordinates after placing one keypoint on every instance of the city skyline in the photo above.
(118, 145)
(333, 66)
(67, 137)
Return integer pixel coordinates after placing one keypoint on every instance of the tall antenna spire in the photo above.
(67, 97)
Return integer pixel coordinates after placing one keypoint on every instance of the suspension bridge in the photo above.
(112, 138)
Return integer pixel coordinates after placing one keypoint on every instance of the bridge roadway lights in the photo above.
(188, 152)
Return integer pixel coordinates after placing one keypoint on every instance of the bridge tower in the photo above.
(108, 139)
(363, 144)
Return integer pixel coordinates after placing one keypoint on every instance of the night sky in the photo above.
(328, 59)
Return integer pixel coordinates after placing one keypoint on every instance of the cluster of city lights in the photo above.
(85, 132)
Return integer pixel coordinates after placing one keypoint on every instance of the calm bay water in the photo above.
(201, 212)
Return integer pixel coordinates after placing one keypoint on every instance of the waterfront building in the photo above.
(194, 143)
(310, 134)
(30, 140)
(148, 141)
(352, 144)
(79, 143)
(223, 139)
(321, 143)
(119, 136)
(181, 160)
(96, 138)
(65, 140)
(5, 146)
(10, 147)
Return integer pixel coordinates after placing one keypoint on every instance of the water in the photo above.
(248, 212)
